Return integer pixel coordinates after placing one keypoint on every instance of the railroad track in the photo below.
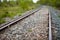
(18, 19)
(26, 17)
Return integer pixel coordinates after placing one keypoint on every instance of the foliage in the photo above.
(12, 8)
(54, 3)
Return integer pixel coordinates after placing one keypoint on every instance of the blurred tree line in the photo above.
(54, 3)
(16, 3)
(23, 4)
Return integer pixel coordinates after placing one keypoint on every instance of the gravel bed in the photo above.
(34, 27)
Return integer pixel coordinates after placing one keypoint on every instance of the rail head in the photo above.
(50, 27)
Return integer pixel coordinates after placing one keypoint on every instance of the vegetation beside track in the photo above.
(13, 8)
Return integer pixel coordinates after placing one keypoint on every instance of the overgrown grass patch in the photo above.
(29, 30)
(59, 16)
(2, 21)
(12, 11)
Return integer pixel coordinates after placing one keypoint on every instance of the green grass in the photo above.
(11, 12)
(8, 12)
(2, 21)
(30, 30)
(59, 16)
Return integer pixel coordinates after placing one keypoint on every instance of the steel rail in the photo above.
(50, 27)
(19, 19)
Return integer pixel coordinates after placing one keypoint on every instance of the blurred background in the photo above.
(12, 8)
